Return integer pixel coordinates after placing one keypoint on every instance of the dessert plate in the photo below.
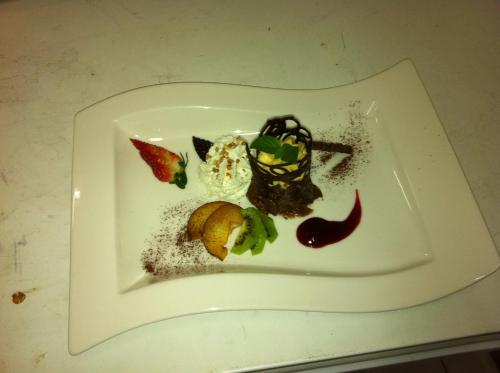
(421, 235)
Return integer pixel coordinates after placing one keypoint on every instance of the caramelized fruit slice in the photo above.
(199, 217)
(218, 227)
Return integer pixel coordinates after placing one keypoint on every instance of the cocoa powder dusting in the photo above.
(170, 254)
(325, 157)
(356, 146)
(341, 170)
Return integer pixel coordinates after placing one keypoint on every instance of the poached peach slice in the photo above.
(218, 227)
(199, 217)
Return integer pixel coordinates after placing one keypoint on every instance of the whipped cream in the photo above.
(226, 171)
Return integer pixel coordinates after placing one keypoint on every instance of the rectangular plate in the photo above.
(421, 235)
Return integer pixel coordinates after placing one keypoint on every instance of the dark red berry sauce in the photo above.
(318, 232)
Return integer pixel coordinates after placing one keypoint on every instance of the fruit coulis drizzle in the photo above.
(318, 232)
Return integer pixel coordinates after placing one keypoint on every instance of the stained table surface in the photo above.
(58, 56)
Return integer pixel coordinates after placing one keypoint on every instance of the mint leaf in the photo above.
(290, 153)
(279, 153)
(273, 145)
(268, 144)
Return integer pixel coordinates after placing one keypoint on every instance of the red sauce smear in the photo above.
(318, 232)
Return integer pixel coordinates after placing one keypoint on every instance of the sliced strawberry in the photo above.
(166, 165)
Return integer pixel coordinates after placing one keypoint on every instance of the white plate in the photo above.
(421, 236)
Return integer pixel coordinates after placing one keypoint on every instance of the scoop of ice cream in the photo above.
(226, 171)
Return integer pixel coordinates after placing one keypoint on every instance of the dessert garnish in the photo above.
(199, 217)
(226, 171)
(317, 232)
(257, 228)
(217, 220)
(218, 227)
(166, 166)
(202, 146)
(169, 253)
(281, 182)
(332, 147)
(355, 140)
(281, 150)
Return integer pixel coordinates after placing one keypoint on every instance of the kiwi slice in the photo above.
(271, 231)
(259, 231)
(257, 228)
(246, 239)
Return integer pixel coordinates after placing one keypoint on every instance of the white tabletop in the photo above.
(58, 56)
